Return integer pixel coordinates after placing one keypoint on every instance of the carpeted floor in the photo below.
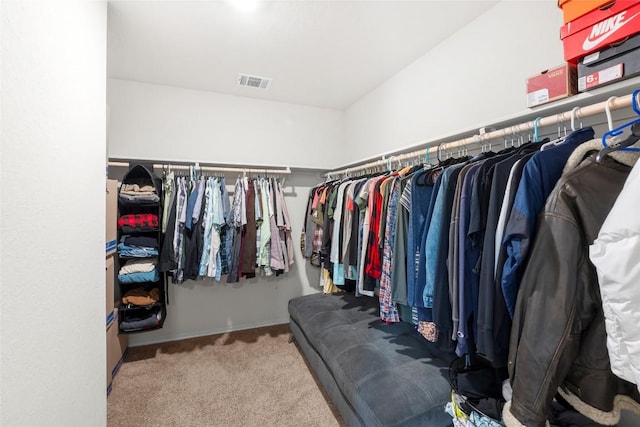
(246, 378)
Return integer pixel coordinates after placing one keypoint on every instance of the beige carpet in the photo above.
(245, 378)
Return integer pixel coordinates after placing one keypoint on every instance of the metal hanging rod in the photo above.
(614, 103)
(253, 169)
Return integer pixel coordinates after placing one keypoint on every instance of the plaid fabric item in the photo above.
(225, 247)
(138, 221)
(428, 330)
(388, 308)
(317, 239)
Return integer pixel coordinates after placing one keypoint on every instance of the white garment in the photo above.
(144, 265)
(502, 219)
(265, 229)
(616, 255)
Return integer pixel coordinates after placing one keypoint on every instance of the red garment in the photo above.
(374, 252)
(138, 221)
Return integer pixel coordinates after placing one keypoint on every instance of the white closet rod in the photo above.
(268, 171)
(615, 103)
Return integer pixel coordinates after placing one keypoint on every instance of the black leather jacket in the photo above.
(558, 338)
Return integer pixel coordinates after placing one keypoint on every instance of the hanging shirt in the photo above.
(169, 194)
(277, 262)
(178, 243)
(436, 290)
(416, 199)
(198, 206)
(467, 279)
(287, 226)
(226, 234)
(454, 258)
(399, 290)
(388, 308)
(265, 229)
(364, 199)
(373, 260)
(207, 226)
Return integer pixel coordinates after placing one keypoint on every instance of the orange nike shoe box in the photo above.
(551, 85)
(600, 28)
(610, 64)
(572, 9)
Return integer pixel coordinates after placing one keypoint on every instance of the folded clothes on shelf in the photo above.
(135, 320)
(150, 276)
(138, 222)
(136, 251)
(139, 296)
(139, 265)
(151, 198)
(137, 240)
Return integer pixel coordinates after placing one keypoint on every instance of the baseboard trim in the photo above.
(198, 334)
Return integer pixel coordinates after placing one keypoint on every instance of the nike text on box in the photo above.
(572, 9)
(613, 63)
(550, 85)
(600, 28)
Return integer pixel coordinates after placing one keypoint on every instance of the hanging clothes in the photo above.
(248, 257)
(615, 254)
(565, 350)
(208, 235)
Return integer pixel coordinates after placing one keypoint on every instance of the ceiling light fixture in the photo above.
(246, 5)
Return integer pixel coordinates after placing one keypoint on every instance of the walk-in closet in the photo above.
(320, 213)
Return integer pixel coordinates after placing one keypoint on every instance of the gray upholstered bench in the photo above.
(376, 374)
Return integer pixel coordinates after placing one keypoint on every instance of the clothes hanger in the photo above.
(536, 124)
(624, 145)
(559, 140)
(574, 115)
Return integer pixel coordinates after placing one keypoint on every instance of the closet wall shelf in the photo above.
(586, 102)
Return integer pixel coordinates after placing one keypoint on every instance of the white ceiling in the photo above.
(319, 53)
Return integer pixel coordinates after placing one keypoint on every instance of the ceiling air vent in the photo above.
(253, 81)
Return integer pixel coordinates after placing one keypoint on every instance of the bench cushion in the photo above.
(387, 373)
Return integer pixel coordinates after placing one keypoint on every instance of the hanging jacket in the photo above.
(539, 177)
(616, 255)
(558, 338)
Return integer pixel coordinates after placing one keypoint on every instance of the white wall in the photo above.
(161, 122)
(158, 122)
(473, 78)
(52, 247)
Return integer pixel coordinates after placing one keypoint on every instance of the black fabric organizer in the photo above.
(130, 316)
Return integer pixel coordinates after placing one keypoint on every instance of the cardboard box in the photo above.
(110, 289)
(550, 85)
(600, 28)
(111, 217)
(117, 345)
(573, 9)
(609, 65)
